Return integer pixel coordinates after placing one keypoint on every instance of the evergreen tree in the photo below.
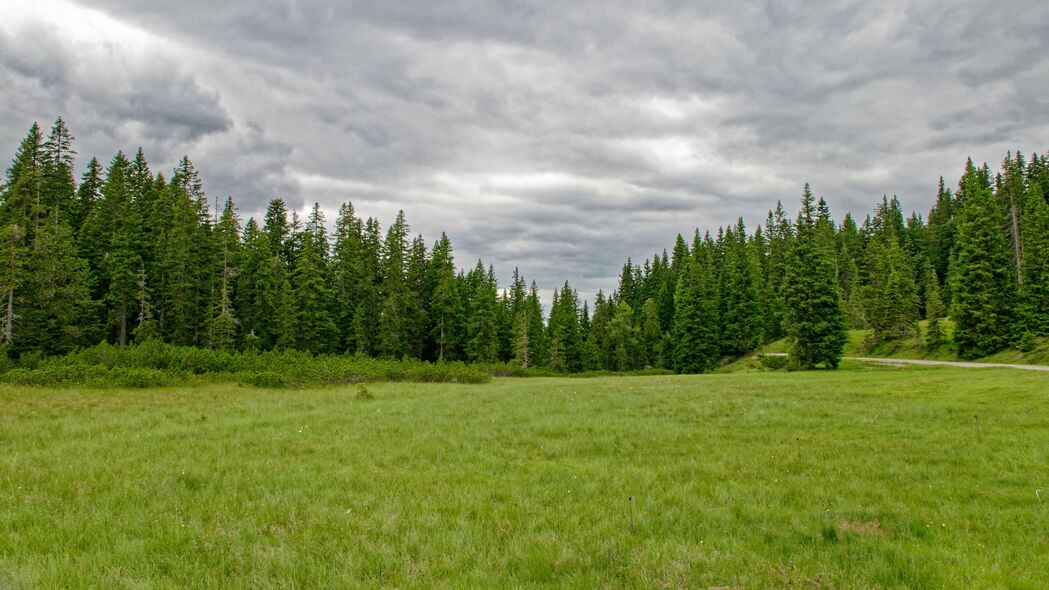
(259, 276)
(696, 334)
(222, 331)
(624, 337)
(934, 310)
(445, 305)
(985, 287)
(815, 321)
(779, 232)
(743, 323)
(315, 330)
(417, 271)
(394, 339)
(346, 268)
(1035, 314)
(482, 339)
(12, 255)
(59, 186)
(89, 191)
(520, 340)
(651, 334)
(277, 229)
(1011, 188)
(366, 323)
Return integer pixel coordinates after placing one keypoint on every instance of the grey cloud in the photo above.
(115, 104)
(657, 116)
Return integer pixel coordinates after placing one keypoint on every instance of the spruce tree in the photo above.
(222, 329)
(815, 319)
(366, 323)
(59, 186)
(651, 334)
(482, 338)
(1035, 308)
(445, 304)
(315, 330)
(696, 335)
(984, 291)
(345, 266)
(934, 310)
(743, 323)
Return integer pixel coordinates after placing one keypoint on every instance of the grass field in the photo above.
(859, 478)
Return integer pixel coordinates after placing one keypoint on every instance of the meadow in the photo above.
(866, 477)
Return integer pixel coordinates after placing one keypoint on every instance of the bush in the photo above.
(154, 363)
(774, 362)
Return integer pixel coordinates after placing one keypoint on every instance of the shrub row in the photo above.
(154, 363)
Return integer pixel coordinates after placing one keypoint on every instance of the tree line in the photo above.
(126, 255)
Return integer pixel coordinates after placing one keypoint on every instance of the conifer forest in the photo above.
(118, 252)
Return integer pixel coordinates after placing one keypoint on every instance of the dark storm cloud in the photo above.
(110, 98)
(558, 137)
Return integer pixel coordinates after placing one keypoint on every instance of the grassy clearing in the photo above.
(860, 478)
(859, 345)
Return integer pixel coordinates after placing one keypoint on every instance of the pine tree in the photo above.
(890, 295)
(222, 331)
(563, 332)
(12, 255)
(59, 186)
(445, 304)
(779, 232)
(257, 289)
(182, 307)
(624, 337)
(346, 264)
(985, 288)
(934, 310)
(24, 188)
(315, 330)
(393, 321)
(1010, 196)
(815, 321)
(742, 321)
(58, 314)
(417, 270)
(89, 191)
(366, 323)
(651, 334)
(520, 339)
(277, 229)
(1035, 308)
(482, 339)
(696, 333)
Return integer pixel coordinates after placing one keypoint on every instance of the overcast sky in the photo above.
(560, 137)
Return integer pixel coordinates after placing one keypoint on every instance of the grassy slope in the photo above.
(913, 349)
(918, 477)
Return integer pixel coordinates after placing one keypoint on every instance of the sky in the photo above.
(557, 137)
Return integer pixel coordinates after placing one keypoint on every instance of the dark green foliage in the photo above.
(154, 363)
(742, 321)
(129, 257)
(1035, 293)
(934, 310)
(815, 319)
(696, 335)
(890, 296)
(984, 293)
(394, 327)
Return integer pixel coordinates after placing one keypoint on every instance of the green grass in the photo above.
(859, 345)
(860, 478)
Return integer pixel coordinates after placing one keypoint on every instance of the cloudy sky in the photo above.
(560, 137)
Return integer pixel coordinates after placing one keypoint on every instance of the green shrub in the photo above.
(774, 362)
